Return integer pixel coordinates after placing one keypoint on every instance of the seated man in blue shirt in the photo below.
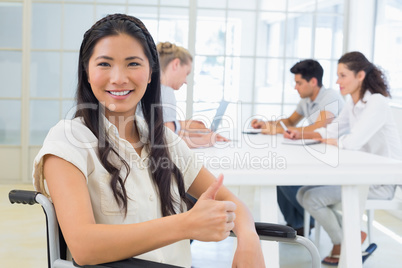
(319, 106)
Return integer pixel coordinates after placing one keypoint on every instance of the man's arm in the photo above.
(192, 125)
(292, 120)
(323, 120)
(273, 127)
(308, 132)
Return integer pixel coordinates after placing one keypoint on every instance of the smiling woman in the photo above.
(122, 174)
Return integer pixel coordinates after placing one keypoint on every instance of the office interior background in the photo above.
(242, 50)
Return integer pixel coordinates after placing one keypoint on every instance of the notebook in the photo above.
(218, 116)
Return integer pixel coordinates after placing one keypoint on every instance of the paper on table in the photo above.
(300, 142)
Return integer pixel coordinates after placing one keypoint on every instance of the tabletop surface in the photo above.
(264, 159)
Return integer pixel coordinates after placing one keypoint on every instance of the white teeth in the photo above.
(119, 93)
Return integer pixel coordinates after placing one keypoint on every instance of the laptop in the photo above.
(218, 116)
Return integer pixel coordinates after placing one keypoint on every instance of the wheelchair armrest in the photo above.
(22, 197)
(129, 263)
(274, 230)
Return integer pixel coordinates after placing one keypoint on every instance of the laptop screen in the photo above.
(218, 116)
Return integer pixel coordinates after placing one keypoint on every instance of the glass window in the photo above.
(104, 10)
(268, 112)
(46, 35)
(111, 1)
(273, 5)
(212, 3)
(328, 37)
(173, 26)
(69, 74)
(301, 5)
(330, 76)
(181, 110)
(11, 21)
(240, 33)
(10, 122)
(239, 79)
(181, 94)
(208, 78)
(290, 93)
(243, 113)
(271, 34)
(149, 16)
(211, 32)
(269, 80)
(45, 74)
(44, 114)
(299, 35)
(241, 4)
(68, 109)
(141, 2)
(174, 2)
(11, 73)
(271, 112)
(388, 44)
(76, 20)
(11, 164)
(288, 110)
(334, 6)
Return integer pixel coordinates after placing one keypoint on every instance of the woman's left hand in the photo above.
(248, 253)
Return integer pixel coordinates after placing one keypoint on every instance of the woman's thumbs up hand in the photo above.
(210, 219)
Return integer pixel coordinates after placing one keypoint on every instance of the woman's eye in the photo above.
(133, 64)
(104, 64)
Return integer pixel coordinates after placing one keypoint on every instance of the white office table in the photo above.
(263, 161)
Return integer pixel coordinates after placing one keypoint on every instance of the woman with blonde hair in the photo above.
(176, 63)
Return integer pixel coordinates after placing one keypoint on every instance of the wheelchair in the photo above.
(57, 248)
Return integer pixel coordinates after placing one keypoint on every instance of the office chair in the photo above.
(57, 248)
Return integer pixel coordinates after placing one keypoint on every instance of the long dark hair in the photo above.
(374, 81)
(162, 171)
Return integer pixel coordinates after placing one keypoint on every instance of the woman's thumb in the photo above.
(213, 189)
